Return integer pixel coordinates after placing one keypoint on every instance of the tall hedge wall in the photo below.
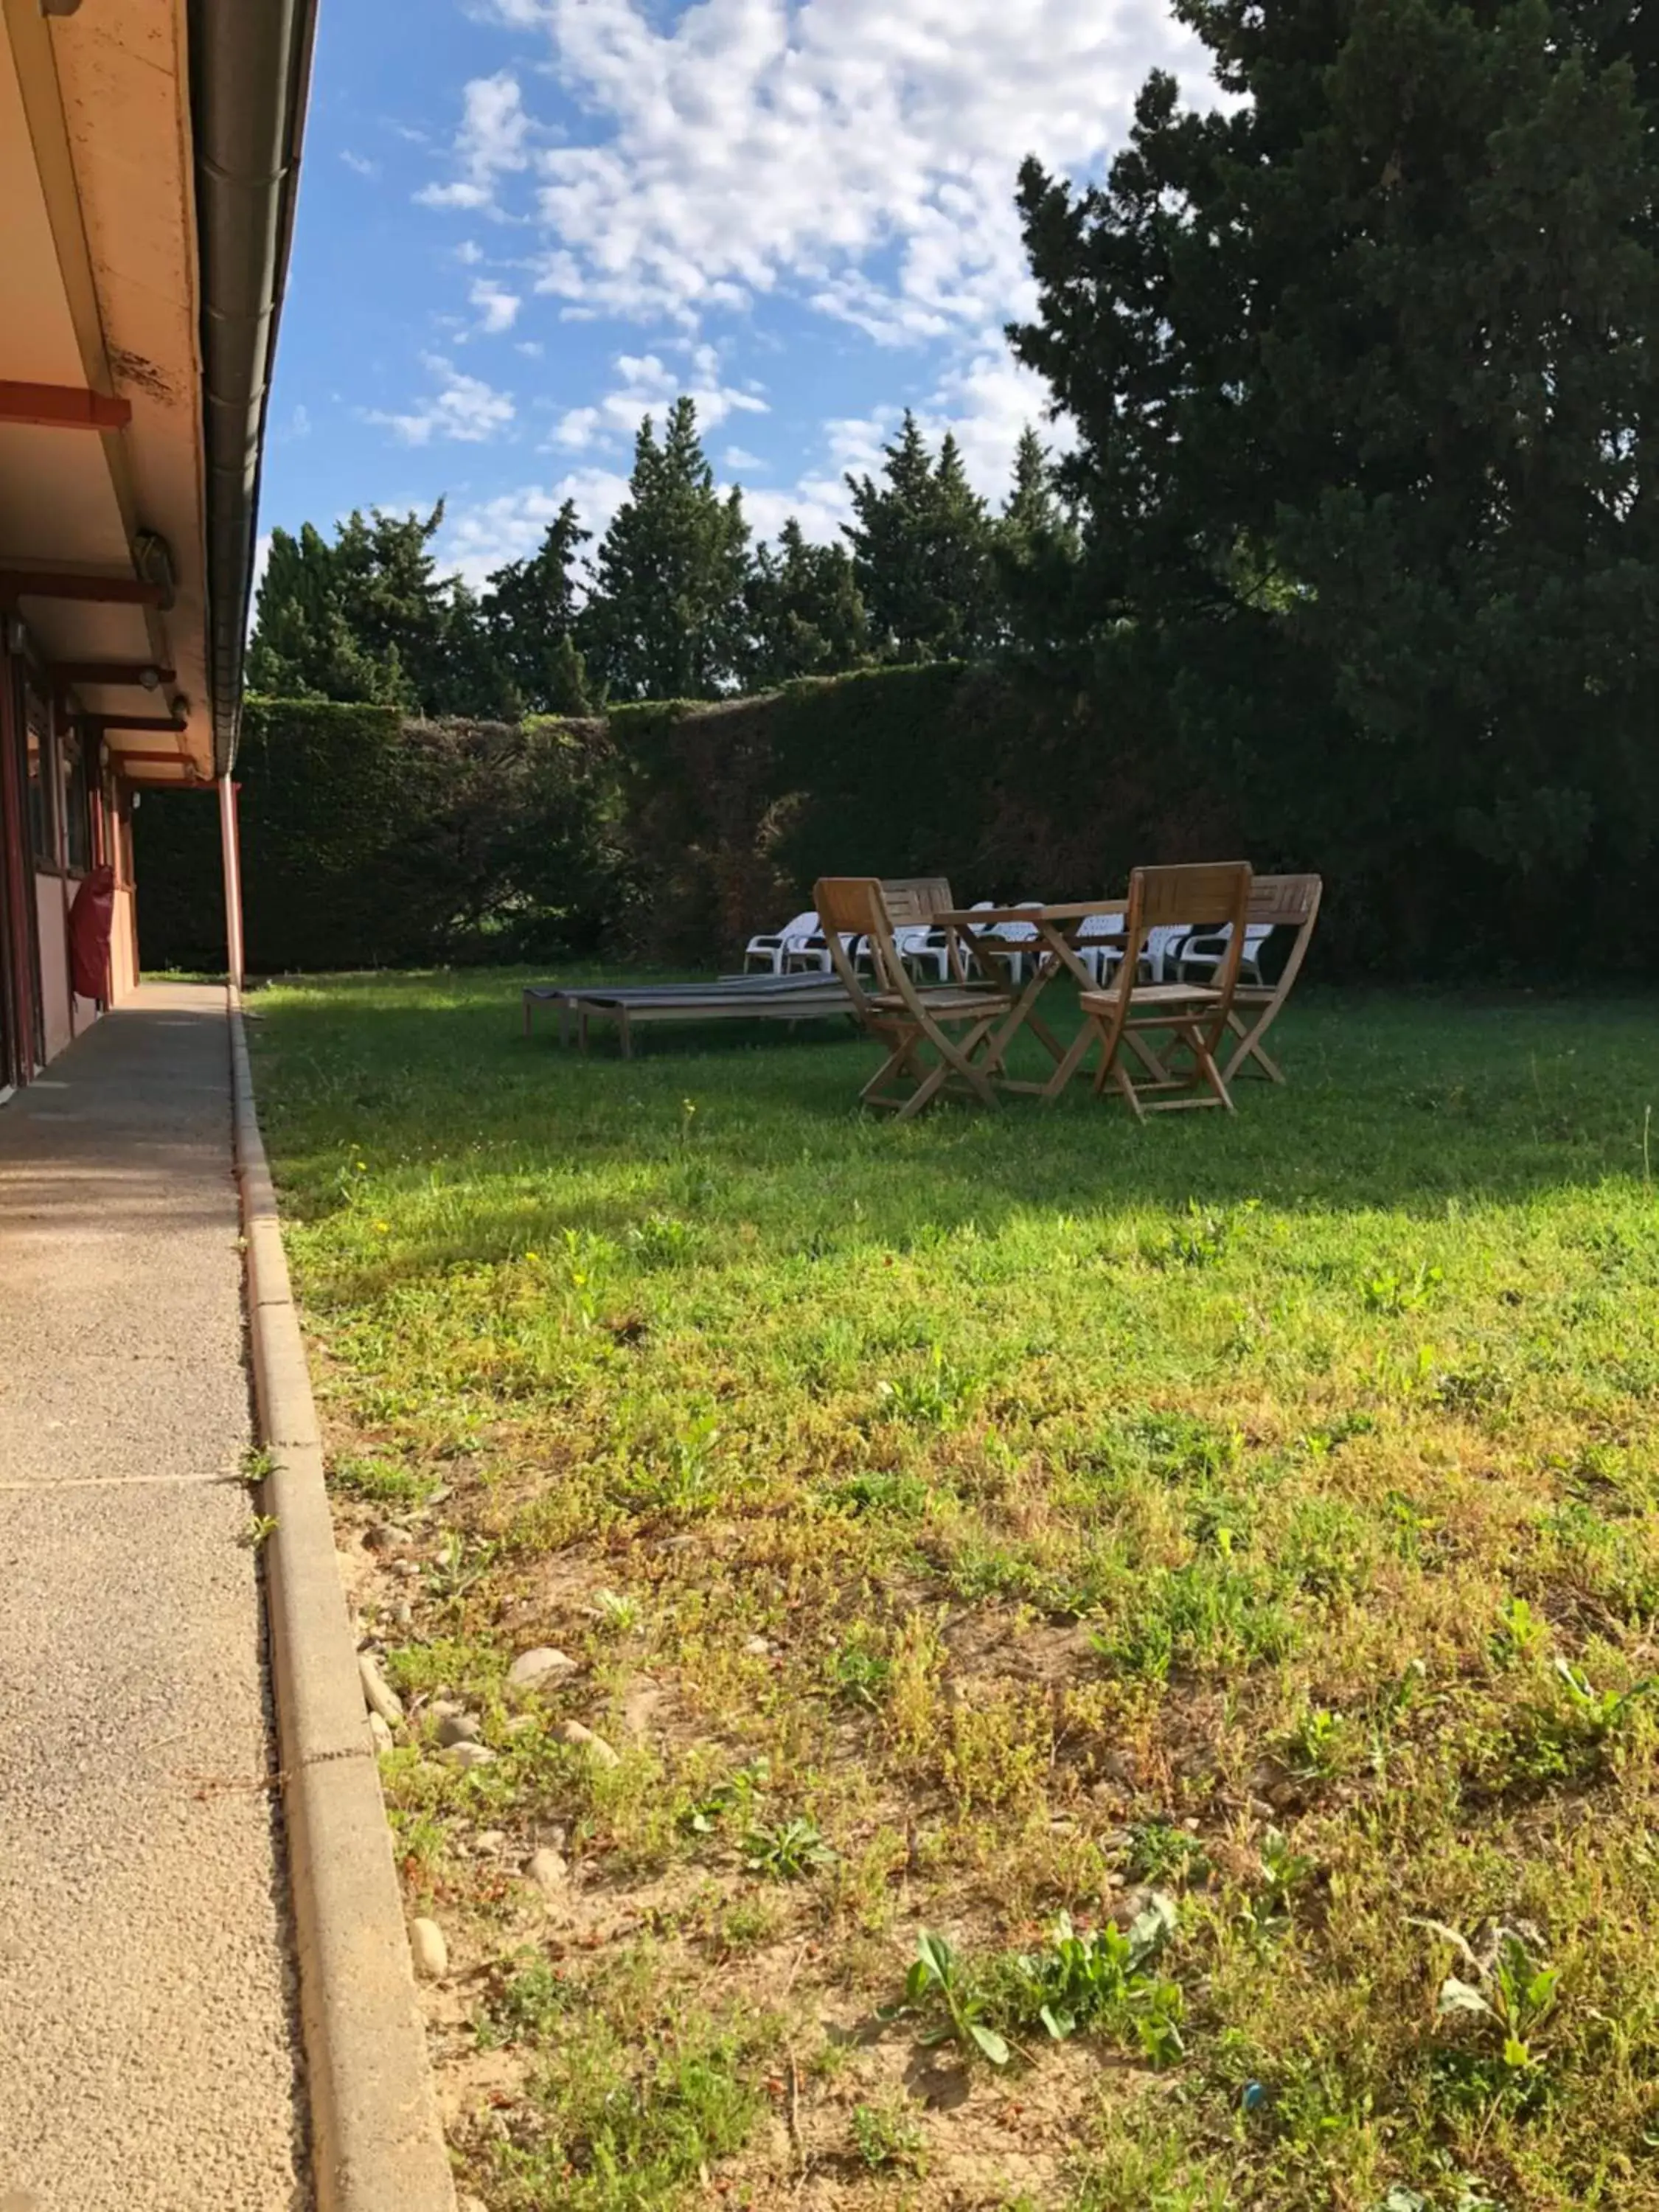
(674, 831)
(668, 831)
(371, 842)
(1004, 784)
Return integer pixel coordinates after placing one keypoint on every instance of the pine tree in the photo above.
(665, 618)
(1362, 374)
(1037, 549)
(921, 553)
(369, 618)
(529, 611)
(804, 614)
(303, 645)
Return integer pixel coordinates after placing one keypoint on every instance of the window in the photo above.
(42, 783)
(77, 802)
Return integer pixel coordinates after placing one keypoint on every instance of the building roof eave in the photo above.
(250, 72)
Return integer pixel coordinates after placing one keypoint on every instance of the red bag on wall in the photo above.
(90, 926)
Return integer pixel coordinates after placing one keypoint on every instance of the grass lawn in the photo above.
(1237, 1536)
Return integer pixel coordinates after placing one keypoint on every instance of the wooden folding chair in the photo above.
(911, 1019)
(1211, 895)
(1286, 902)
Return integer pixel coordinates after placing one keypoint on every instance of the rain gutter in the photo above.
(250, 70)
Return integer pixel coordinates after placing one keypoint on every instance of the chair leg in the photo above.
(1128, 1088)
(929, 1087)
(1211, 1075)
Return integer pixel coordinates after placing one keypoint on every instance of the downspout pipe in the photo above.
(250, 71)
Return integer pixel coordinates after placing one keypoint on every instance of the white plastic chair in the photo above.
(1204, 951)
(765, 953)
(1099, 948)
(1159, 959)
(921, 946)
(1018, 933)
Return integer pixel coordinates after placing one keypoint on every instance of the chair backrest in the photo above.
(1291, 899)
(853, 906)
(912, 899)
(1203, 894)
(1166, 902)
(1289, 902)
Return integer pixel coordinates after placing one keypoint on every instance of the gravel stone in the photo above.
(466, 1756)
(382, 1697)
(595, 1745)
(548, 1870)
(428, 1950)
(533, 1670)
(460, 1728)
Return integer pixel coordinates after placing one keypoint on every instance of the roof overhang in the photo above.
(148, 157)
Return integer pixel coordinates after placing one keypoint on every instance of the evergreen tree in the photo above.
(530, 612)
(921, 553)
(369, 618)
(1037, 549)
(804, 614)
(1362, 372)
(665, 618)
(303, 645)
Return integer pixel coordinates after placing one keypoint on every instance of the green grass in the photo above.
(962, 1523)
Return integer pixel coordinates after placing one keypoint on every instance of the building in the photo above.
(148, 163)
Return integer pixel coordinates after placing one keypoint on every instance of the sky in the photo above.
(526, 223)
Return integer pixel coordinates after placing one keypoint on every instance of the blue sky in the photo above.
(525, 223)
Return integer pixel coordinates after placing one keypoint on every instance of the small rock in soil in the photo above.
(381, 1735)
(531, 1670)
(756, 1647)
(489, 1842)
(460, 1728)
(385, 1537)
(548, 1870)
(466, 1756)
(595, 1745)
(428, 1950)
(402, 1613)
(382, 1697)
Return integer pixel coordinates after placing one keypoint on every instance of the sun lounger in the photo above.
(730, 998)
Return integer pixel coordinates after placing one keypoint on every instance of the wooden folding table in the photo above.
(1059, 932)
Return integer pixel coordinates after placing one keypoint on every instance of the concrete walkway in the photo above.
(148, 2038)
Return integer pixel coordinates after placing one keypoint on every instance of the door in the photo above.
(19, 1013)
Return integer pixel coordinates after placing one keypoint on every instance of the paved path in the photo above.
(148, 2033)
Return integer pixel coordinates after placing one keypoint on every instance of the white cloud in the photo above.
(360, 163)
(986, 400)
(464, 408)
(469, 254)
(478, 538)
(648, 385)
(862, 154)
(735, 457)
(498, 309)
(493, 141)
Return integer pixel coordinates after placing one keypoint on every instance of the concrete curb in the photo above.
(377, 2144)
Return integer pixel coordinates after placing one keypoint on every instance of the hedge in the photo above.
(371, 842)
(673, 832)
(669, 831)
